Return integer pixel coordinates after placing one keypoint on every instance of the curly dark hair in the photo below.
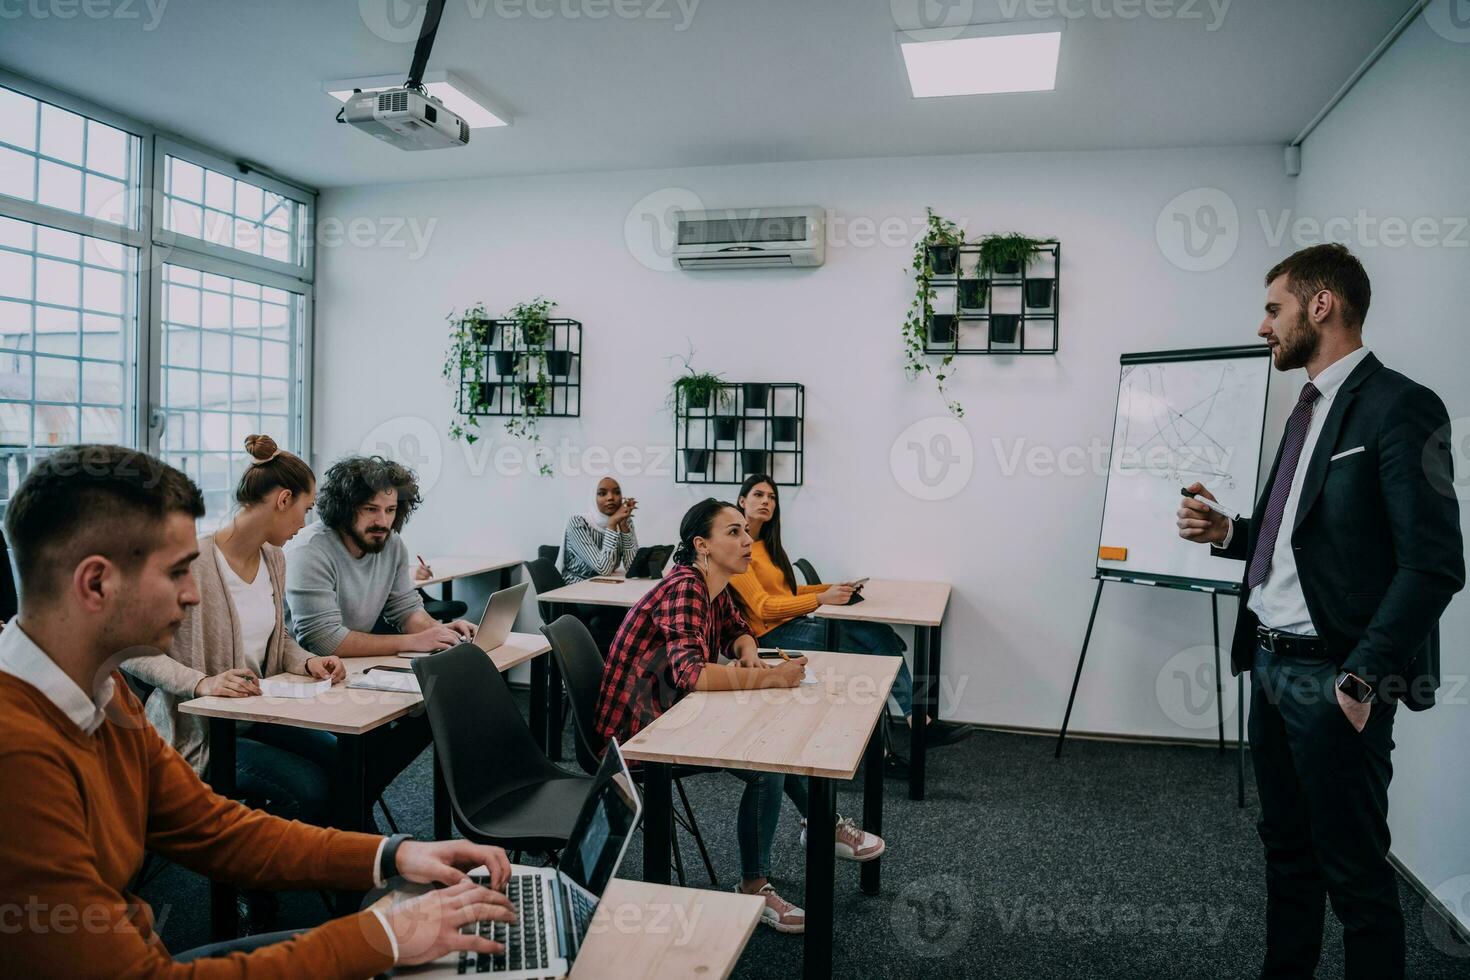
(354, 480)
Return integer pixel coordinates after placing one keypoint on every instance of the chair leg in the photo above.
(678, 854)
(388, 814)
(709, 866)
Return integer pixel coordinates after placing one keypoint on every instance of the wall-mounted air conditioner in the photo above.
(750, 238)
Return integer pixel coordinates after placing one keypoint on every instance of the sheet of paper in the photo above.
(289, 687)
(809, 678)
(384, 680)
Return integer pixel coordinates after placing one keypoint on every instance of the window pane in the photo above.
(53, 156)
(215, 376)
(230, 212)
(17, 119)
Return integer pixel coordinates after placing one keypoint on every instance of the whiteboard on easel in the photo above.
(1182, 416)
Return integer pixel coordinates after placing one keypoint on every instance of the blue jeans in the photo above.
(760, 814)
(809, 633)
(286, 771)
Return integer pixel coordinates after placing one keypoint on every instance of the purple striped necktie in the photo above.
(1291, 451)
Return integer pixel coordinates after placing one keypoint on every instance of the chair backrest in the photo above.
(9, 598)
(808, 572)
(544, 578)
(484, 746)
(581, 667)
(549, 552)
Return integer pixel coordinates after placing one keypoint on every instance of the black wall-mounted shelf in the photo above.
(982, 329)
(744, 428)
(504, 349)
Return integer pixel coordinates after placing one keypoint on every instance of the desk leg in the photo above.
(831, 641)
(821, 826)
(349, 805)
(446, 591)
(442, 829)
(873, 803)
(538, 699)
(923, 698)
(658, 820)
(223, 918)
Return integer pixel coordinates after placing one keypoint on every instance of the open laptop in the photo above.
(500, 616)
(555, 905)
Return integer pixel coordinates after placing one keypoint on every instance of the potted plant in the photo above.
(756, 393)
(783, 428)
(483, 395)
(1005, 253)
(1003, 327)
(727, 423)
(942, 244)
(505, 362)
(534, 321)
(973, 293)
(917, 325)
(693, 391)
(559, 363)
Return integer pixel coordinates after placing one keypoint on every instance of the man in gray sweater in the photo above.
(349, 573)
(350, 570)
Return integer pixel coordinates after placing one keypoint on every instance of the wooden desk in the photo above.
(918, 604)
(350, 713)
(447, 569)
(642, 931)
(921, 605)
(822, 731)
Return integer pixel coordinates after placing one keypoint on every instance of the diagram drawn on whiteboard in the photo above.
(1173, 435)
(1183, 417)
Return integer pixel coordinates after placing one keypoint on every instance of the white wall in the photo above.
(1018, 548)
(1396, 148)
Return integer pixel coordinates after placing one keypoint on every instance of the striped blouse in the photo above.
(588, 550)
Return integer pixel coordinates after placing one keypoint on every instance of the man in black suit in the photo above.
(1352, 553)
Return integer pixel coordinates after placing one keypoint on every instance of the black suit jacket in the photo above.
(1377, 535)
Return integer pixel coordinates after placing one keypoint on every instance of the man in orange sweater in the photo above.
(103, 538)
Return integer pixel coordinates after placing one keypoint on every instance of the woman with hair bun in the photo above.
(236, 635)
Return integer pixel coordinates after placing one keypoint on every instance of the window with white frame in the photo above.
(178, 328)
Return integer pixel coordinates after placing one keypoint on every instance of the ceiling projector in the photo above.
(406, 118)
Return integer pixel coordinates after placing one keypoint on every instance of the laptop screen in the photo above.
(607, 821)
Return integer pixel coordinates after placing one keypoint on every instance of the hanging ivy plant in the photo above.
(464, 370)
(533, 320)
(939, 243)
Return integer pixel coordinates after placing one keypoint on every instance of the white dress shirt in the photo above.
(1279, 602)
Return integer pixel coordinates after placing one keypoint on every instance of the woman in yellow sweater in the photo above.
(779, 611)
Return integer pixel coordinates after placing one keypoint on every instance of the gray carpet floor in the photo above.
(1120, 860)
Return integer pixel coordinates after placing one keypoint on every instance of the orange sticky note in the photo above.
(1112, 554)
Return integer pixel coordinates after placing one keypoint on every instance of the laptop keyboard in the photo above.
(524, 940)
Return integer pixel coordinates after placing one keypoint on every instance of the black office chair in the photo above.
(549, 552)
(581, 668)
(503, 789)
(544, 578)
(808, 572)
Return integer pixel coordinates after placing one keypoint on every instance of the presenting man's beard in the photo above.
(1301, 347)
(367, 544)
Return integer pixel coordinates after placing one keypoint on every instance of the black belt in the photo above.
(1291, 644)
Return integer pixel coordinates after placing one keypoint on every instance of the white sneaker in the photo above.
(853, 843)
(778, 913)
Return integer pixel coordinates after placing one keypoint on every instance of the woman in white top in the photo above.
(237, 635)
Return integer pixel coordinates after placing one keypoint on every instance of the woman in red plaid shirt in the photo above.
(670, 643)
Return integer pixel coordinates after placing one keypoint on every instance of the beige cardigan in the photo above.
(208, 643)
